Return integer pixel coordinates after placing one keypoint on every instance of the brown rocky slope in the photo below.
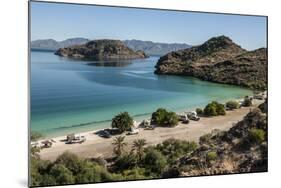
(101, 50)
(241, 149)
(218, 60)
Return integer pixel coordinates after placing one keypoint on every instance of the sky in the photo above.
(61, 21)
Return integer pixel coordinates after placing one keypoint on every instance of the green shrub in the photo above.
(164, 118)
(232, 105)
(210, 110)
(199, 111)
(48, 180)
(211, 156)
(154, 161)
(123, 122)
(70, 161)
(62, 174)
(256, 136)
(205, 139)
(247, 102)
(126, 161)
(93, 172)
(214, 108)
(134, 174)
(172, 149)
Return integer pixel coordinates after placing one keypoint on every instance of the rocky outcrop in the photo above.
(101, 50)
(218, 60)
(235, 151)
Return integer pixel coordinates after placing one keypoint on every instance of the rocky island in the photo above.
(218, 60)
(101, 50)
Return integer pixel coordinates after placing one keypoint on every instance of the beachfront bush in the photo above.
(247, 102)
(214, 108)
(211, 156)
(210, 110)
(123, 122)
(154, 161)
(232, 105)
(199, 111)
(34, 136)
(164, 118)
(61, 174)
(256, 136)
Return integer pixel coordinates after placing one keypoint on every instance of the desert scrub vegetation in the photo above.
(199, 111)
(211, 156)
(256, 136)
(214, 109)
(162, 117)
(231, 105)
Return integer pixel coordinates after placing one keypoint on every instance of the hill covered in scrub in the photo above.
(101, 50)
(218, 60)
(241, 149)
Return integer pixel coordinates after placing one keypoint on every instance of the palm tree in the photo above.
(119, 145)
(138, 146)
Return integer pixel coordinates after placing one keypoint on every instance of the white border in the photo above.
(14, 92)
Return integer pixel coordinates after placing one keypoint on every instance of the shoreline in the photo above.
(96, 146)
(107, 123)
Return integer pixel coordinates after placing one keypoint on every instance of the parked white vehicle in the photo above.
(133, 131)
(193, 116)
(183, 118)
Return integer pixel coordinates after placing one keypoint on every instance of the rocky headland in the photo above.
(101, 50)
(218, 60)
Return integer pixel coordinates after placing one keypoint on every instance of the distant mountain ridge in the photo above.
(53, 45)
(155, 48)
(149, 47)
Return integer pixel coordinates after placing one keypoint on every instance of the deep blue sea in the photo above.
(72, 96)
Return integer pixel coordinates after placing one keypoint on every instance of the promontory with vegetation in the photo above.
(101, 50)
(218, 60)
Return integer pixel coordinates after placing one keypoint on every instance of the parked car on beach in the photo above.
(183, 118)
(133, 131)
(105, 134)
(193, 116)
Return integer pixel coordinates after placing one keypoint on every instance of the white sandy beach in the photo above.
(96, 146)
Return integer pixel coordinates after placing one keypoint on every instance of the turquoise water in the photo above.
(71, 96)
